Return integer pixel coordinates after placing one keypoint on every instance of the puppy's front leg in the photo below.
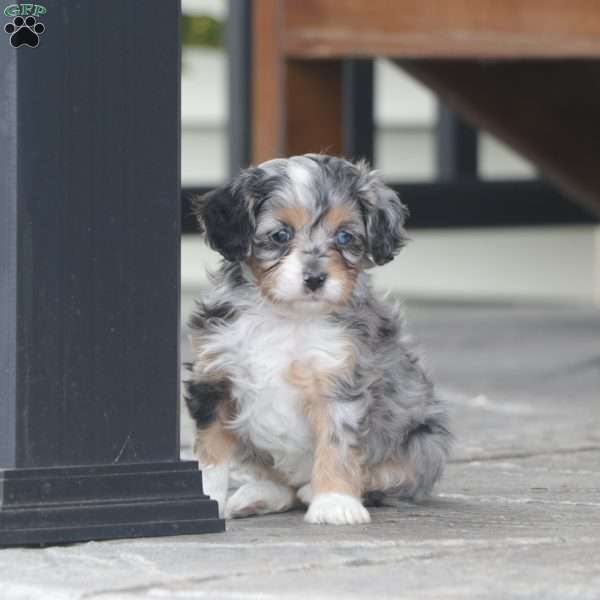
(208, 403)
(214, 450)
(337, 474)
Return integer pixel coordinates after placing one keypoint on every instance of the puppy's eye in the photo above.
(282, 236)
(343, 238)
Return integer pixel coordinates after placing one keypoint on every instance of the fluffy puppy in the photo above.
(301, 374)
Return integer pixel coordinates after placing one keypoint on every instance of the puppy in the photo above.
(301, 374)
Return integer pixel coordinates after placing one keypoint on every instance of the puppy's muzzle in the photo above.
(313, 281)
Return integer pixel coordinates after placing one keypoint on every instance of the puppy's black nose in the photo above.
(313, 281)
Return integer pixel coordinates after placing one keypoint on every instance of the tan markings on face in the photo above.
(266, 279)
(296, 217)
(255, 268)
(336, 468)
(216, 444)
(339, 271)
(337, 216)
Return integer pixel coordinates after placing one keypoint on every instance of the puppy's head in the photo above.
(305, 226)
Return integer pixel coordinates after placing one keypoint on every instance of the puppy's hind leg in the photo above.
(384, 481)
(414, 474)
(427, 449)
(304, 494)
(260, 497)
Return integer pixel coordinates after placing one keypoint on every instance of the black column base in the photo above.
(75, 504)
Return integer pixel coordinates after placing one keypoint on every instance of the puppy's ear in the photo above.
(384, 219)
(224, 217)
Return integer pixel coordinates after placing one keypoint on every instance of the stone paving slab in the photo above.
(498, 529)
(517, 515)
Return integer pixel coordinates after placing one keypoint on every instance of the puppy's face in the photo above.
(305, 227)
(309, 240)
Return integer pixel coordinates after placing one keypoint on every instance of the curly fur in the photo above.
(315, 387)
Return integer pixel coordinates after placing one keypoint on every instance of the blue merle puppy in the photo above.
(301, 374)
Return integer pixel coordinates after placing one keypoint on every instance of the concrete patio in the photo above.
(517, 515)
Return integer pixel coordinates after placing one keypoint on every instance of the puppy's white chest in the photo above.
(271, 409)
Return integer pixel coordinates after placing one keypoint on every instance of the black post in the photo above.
(456, 146)
(89, 274)
(357, 117)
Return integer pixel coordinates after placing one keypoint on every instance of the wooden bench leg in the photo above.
(296, 104)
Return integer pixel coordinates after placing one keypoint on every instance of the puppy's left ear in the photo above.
(384, 218)
(224, 217)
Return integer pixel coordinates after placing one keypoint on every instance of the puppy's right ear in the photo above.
(224, 216)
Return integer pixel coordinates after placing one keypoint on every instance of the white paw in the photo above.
(304, 494)
(215, 483)
(259, 498)
(336, 509)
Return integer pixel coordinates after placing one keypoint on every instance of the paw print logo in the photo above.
(24, 31)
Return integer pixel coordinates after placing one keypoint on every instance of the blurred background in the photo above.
(501, 282)
(517, 239)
